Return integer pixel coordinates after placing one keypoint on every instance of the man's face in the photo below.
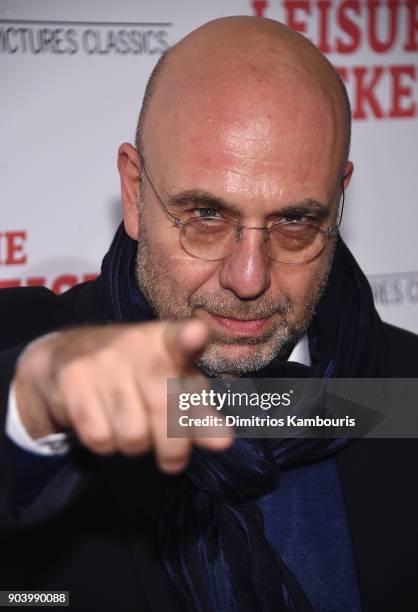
(259, 160)
(246, 334)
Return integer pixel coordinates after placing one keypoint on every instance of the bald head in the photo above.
(240, 55)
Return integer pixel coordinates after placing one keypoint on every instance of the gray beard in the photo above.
(161, 291)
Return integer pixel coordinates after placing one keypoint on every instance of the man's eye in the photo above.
(293, 219)
(205, 212)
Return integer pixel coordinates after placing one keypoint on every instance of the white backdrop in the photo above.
(72, 75)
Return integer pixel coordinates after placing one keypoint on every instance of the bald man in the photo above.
(228, 263)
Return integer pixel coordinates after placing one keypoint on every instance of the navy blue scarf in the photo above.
(211, 535)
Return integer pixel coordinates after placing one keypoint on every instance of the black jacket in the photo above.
(100, 543)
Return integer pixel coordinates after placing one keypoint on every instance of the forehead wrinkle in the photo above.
(250, 129)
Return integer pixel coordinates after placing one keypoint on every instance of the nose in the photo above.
(246, 271)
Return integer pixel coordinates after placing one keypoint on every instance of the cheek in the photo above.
(300, 283)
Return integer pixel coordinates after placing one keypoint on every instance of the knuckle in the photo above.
(69, 374)
(159, 365)
(118, 404)
(107, 356)
(79, 415)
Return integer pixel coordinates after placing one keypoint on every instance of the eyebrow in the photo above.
(197, 197)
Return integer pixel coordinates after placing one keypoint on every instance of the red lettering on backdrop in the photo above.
(324, 8)
(348, 26)
(88, 277)
(60, 284)
(364, 93)
(373, 7)
(412, 42)
(366, 104)
(400, 92)
(15, 255)
(291, 6)
(349, 32)
(14, 245)
(259, 7)
(64, 282)
(36, 281)
(8, 284)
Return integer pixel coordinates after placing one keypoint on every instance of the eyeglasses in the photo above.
(213, 238)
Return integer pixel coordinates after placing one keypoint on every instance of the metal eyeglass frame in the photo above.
(326, 233)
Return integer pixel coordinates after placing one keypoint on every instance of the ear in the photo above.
(129, 166)
(348, 172)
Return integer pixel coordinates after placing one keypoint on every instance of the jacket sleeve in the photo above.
(33, 488)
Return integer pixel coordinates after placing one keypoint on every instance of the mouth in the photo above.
(240, 327)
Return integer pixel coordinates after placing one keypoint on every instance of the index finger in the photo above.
(185, 341)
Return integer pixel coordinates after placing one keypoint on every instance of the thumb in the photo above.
(185, 341)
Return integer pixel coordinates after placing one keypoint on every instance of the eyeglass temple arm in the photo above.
(169, 214)
(335, 227)
(342, 205)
